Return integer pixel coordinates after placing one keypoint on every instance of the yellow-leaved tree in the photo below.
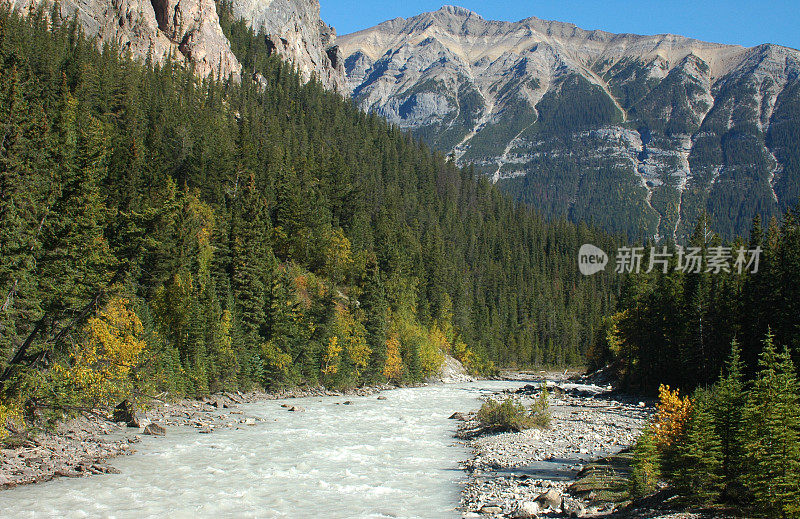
(332, 358)
(672, 413)
(10, 417)
(393, 368)
(352, 335)
(102, 366)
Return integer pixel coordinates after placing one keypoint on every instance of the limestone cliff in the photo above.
(295, 30)
(188, 30)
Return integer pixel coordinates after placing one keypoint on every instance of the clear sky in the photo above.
(724, 21)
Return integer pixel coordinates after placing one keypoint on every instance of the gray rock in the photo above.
(491, 509)
(296, 32)
(188, 30)
(525, 510)
(125, 412)
(573, 508)
(550, 499)
(154, 429)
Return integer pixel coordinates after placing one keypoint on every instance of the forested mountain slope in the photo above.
(639, 134)
(159, 232)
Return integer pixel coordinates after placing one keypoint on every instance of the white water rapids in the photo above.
(372, 459)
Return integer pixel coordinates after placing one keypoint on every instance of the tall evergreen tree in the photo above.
(728, 405)
(772, 421)
(699, 453)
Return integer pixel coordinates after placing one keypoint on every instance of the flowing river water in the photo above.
(370, 459)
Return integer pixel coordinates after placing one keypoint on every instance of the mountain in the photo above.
(295, 31)
(201, 236)
(187, 30)
(637, 133)
(190, 31)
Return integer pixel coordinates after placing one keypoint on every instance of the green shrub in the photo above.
(509, 415)
(540, 410)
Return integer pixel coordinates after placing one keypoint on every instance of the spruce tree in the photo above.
(728, 405)
(374, 306)
(772, 444)
(699, 454)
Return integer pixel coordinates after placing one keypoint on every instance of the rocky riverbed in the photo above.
(529, 473)
(81, 446)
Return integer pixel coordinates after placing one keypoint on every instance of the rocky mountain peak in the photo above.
(458, 12)
(542, 106)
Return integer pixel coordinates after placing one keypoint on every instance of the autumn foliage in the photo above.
(672, 414)
(102, 366)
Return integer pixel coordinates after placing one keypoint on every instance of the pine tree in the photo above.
(699, 454)
(728, 405)
(375, 308)
(646, 466)
(252, 263)
(22, 190)
(772, 421)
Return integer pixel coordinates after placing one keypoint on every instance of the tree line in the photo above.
(159, 232)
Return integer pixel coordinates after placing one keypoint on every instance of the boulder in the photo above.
(458, 416)
(381, 397)
(572, 508)
(347, 402)
(154, 429)
(491, 508)
(125, 412)
(550, 499)
(219, 402)
(296, 409)
(525, 510)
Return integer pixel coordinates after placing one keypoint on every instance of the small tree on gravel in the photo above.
(698, 472)
(772, 435)
(646, 466)
(540, 410)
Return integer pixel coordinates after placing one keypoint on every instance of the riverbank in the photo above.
(83, 445)
(529, 473)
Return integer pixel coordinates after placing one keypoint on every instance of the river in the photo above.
(393, 458)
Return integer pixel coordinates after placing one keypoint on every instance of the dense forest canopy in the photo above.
(165, 233)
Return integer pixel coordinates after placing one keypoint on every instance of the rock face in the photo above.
(190, 30)
(295, 30)
(640, 133)
(186, 29)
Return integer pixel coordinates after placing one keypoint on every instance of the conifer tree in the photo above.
(772, 421)
(728, 405)
(699, 454)
(375, 307)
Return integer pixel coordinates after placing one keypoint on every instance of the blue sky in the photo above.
(724, 21)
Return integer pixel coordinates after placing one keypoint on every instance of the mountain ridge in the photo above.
(447, 75)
